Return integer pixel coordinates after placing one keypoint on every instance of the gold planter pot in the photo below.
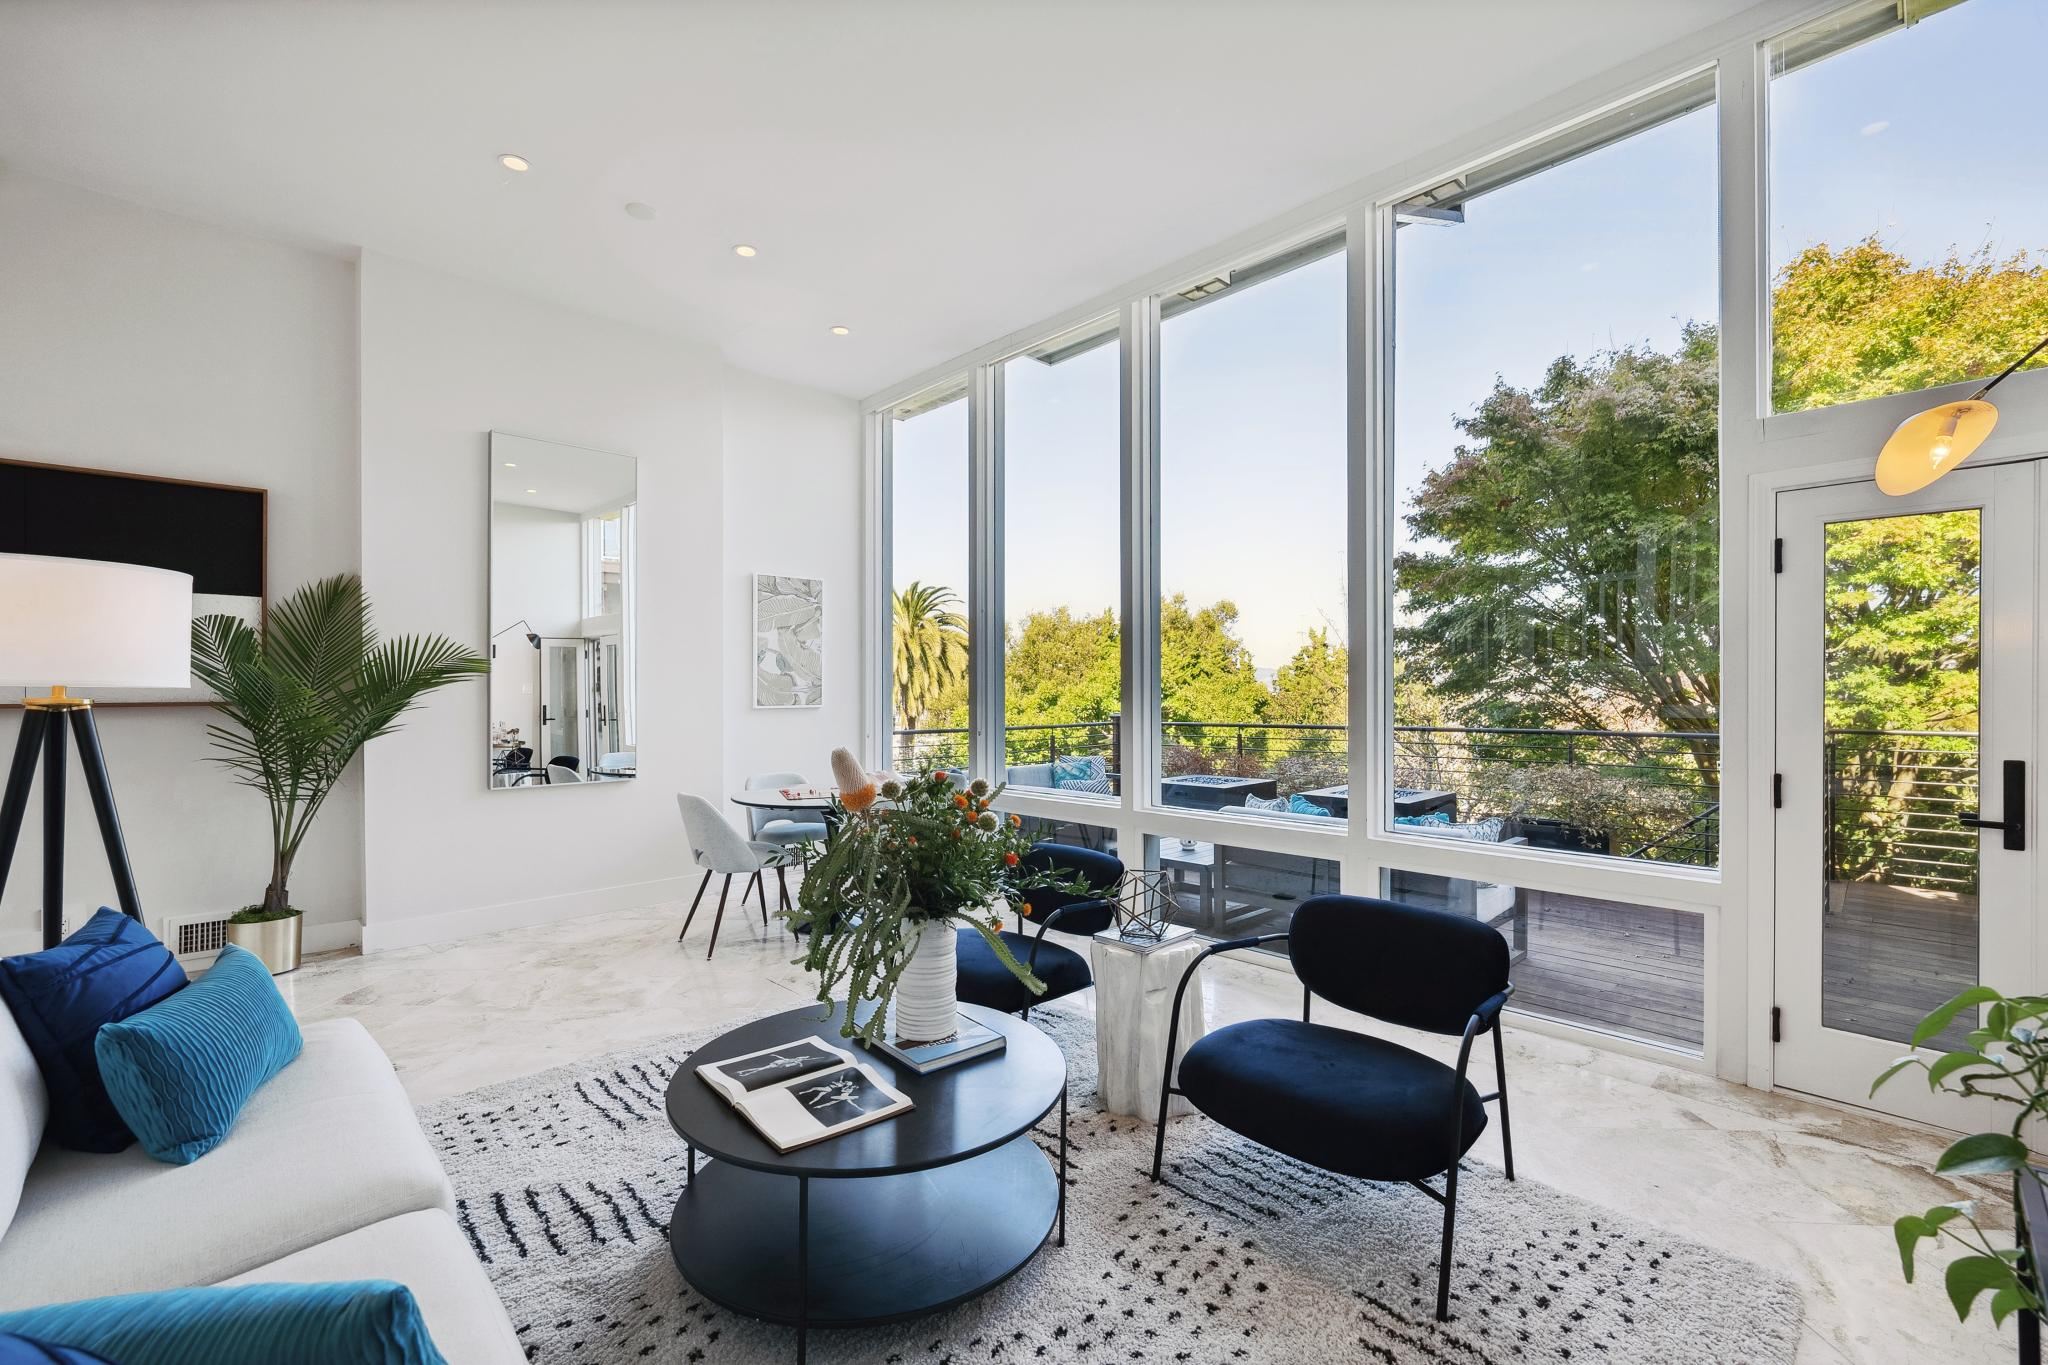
(274, 941)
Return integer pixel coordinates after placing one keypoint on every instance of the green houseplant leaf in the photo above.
(299, 700)
(1983, 1154)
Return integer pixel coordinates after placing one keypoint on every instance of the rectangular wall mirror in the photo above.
(564, 709)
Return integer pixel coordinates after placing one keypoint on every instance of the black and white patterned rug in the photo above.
(566, 1180)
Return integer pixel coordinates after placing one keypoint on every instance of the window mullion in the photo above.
(1139, 402)
(985, 572)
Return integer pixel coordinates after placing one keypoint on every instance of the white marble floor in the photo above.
(1802, 1188)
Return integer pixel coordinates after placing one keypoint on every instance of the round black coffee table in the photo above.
(904, 1217)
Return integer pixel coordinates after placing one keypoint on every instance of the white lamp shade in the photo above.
(1929, 444)
(89, 623)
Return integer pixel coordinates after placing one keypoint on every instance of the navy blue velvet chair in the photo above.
(984, 980)
(1345, 1101)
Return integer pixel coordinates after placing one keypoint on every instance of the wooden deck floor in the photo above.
(1627, 969)
(1889, 955)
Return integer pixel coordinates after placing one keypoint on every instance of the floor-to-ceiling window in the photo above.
(1908, 213)
(1252, 631)
(928, 578)
(1555, 673)
(1058, 423)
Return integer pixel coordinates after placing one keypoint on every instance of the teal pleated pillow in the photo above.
(180, 1071)
(358, 1322)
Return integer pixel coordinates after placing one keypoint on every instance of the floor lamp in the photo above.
(93, 624)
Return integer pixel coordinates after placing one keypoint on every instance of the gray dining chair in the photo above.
(783, 826)
(718, 848)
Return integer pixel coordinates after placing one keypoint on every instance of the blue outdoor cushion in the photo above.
(1301, 805)
(1074, 768)
(111, 968)
(180, 1071)
(16, 1350)
(1344, 1101)
(984, 980)
(360, 1322)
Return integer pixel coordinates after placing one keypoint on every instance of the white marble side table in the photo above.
(1133, 1012)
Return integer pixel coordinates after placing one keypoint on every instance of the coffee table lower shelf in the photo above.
(846, 1252)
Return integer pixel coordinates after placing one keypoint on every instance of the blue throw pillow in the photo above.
(111, 968)
(16, 1350)
(180, 1071)
(360, 1322)
(1078, 768)
(1301, 805)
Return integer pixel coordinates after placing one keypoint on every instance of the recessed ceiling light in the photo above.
(510, 465)
(841, 331)
(744, 250)
(644, 212)
(533, 490)
(514, 162)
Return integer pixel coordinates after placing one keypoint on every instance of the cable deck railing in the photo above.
(1649, 795)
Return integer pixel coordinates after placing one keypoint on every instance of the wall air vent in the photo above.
(195, 939)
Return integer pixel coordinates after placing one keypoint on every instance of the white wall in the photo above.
(138, 341)
(792, 506)
(360, 395)
(445, 361)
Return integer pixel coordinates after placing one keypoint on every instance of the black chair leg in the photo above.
(1443, 1274)
(782, 885)
(1500, 1075)
(690, 918)
(723, 891)
(755, 887)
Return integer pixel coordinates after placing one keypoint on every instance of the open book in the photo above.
(804, 1092)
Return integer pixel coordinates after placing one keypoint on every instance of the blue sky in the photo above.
(1927, 137)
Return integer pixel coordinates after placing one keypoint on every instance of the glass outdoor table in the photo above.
(902, 1218)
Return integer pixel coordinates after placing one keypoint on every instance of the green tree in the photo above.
(1061, 668)
(928, 638)
(1205, 671)
(1566, 573)
(1312, 688)
(1864, 321)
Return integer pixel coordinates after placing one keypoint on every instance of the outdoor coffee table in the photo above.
(904, 1217)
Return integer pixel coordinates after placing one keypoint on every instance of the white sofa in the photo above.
(326, 1176)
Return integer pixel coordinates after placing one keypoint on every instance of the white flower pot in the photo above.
(927, 1007)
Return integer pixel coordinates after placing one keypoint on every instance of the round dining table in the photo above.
(771, 798)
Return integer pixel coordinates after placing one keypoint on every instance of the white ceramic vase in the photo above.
(927, 1005)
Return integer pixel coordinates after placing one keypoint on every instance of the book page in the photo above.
(737, 1077)
(797, 1113)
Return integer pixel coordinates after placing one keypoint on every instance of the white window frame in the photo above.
(1761, 453)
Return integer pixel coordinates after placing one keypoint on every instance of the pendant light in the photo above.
(1929, 444)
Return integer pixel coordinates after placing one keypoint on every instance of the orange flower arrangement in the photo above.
(907, 852)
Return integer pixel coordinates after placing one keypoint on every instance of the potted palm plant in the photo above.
(299, 700)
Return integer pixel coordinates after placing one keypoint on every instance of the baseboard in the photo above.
(325, 938)
(322, 937)
(383, 935)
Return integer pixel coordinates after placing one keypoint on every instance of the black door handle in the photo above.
(2014, 824)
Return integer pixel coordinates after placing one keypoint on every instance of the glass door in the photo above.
(1905, 706)
(564, 701)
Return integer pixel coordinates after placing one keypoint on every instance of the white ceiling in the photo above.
(930, 173)
(560, 478)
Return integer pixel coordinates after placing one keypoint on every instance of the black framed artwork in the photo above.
(218, 533)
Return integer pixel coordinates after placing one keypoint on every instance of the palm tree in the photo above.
(929, 641)
(305, 696)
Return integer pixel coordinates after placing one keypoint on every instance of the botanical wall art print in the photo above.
(789, 641)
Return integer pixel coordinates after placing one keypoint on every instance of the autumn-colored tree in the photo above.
(1864, 321)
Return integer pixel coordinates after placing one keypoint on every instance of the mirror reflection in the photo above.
(563, 591)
